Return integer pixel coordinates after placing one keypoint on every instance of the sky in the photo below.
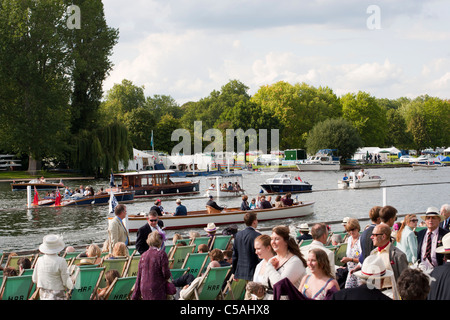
(188, 48)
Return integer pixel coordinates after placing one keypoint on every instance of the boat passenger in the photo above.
(252, 204)
(288, 201)
(264, 204)
(158, 208)
(213, 204)
(180, 210)
(278, 202)
(244, 204)
(361, 174)
(345, 178)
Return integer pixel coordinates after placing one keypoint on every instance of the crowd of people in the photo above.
(380, 263)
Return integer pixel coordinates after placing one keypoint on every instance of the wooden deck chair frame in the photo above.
(117, 282)
(101, 271)
(15, 259)
(234, 290)
(28, 283)
(133, 264)
(107, 264)
(179, 254)
(224, 242)
(195, 269)
(198, 241)
(216, 286)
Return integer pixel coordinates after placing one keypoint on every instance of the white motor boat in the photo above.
(426, 166)
(322, 161)
(359, 183)
(283, 183)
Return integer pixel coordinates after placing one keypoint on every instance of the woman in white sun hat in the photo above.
(51, 273)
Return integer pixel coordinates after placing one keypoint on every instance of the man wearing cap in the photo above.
(213, 204)
(445, 211)
(117, 231)
(304, 233)
(440, 287)
(429, 239)
(181, 209)
(372, 275)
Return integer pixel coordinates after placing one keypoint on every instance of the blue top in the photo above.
(180, 211)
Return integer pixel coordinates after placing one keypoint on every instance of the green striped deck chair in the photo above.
(179, 254)
(16, 288)
(118, 264)
(12, 260)
(76, 261)
(198, 241)
(86, 283)
(132, 267)
(29, 272)
(120, 289)
(72, 254)
(168, 248)
(195, 262)
(234, 290)
(176, 273)
(341, 251)
(211, 286)
(221, 242)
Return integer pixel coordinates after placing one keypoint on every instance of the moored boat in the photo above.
(284, 182)
(95, 200)
(36, 183)
(360, 183)
(155, 183)
(426, 166)
(324, 160)
(201, 218)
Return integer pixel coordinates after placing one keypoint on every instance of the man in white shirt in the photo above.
(319, 233)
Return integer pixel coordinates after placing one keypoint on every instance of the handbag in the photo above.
(170, 288)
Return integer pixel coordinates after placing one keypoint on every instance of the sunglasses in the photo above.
(153, 220)
(414, 220)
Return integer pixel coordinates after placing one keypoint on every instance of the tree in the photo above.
(34, 87)
(397, 131)
(366, 116)
(163, 133)
(334, 134)
(90, 47)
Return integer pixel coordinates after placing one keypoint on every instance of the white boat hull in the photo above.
(318, 167)
(199, 219)
(418, 166)
(360, 184)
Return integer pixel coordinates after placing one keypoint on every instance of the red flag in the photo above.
(36, 197)
(300, 179)
(58, 198)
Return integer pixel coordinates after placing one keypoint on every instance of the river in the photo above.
(407, 190)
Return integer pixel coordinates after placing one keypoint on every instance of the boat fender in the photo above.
(178, 191)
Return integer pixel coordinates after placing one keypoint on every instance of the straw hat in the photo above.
(52, 244)
(445, 248)
(178, 201)
(345, 220)
(432, 212)
(303, 227)
(210, 227)
(373, 267)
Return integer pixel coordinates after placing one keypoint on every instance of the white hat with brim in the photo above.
(345, 220)
(303, 227)
(210, 227)
(445, 248)
(52, 244)
(178, 201)
(373, 267)
(432, 212)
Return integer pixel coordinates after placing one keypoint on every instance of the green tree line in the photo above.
(52, 104)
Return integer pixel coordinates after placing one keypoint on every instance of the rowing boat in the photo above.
(196, 219)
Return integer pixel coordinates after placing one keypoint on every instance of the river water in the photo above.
(23, 229)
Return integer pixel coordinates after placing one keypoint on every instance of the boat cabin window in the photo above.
(286, 181)
(276, 181)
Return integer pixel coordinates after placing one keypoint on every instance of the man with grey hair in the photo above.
(145, 230)
(319, 233)
(445, 211)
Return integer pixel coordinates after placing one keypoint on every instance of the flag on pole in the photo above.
(112, 202)
(58, 198)
(36, 197)
(151, 141)
(111, 180)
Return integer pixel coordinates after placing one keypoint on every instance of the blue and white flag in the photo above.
(151, 141)
(112, 203)
(111, 180)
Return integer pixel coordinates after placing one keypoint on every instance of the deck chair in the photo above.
(72, 254)
(198, 241)
(16, 288)
(340, 252)
(234, 290)
(176, 273)
(305, 242)
(179, 254)
(109, 264)
(120, 289)
(12, 260)
(211, 285)
(76, 261)
(221, 242)
(86, 282)
(195, 262)
(168, 248)
(132, 266)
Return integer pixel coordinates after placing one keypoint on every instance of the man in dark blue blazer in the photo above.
(244, 256)
(432, 219)
(180, 209)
